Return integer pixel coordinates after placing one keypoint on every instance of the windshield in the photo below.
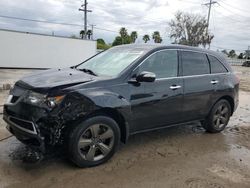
(111, 62)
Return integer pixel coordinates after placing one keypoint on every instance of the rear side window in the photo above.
(194, 63)
(216, 66)
(163, 63)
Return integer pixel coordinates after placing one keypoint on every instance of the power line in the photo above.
(234, 7)
(50, 22)
(232, 12)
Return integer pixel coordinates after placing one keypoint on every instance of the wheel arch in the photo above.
(230, 100)
(118, 117)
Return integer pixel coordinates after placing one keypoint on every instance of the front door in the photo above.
(159, 103)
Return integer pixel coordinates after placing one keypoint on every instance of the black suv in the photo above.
(89, 108)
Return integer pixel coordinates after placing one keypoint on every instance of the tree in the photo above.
(89, 34)
(146, 38)
(232, 54)
(124, 38)
(133, 36)
(157, 37)
(123, 32)
(102, 45)
(190, 29)
(82, 34)
(100, 41)
(241, 56)
(117, 41)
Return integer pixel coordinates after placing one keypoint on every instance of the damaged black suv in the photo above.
(91, 107)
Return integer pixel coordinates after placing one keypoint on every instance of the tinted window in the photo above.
(164, 64)
(194, 63)
(216, 66)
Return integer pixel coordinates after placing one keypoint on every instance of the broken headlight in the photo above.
(41, 99)
(53, 101)
(35, 98)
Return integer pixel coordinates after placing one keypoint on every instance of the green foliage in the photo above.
(232, 54)
(82, 33)
(100, 41)
(146, 38)
(190, 29)
(89, 33)
(102, 45)
(117, 41)
(133, 36)
(124, 38)
(157, 37)
(241, 56)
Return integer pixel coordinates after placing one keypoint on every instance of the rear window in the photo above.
(194, 63)
(216, 65)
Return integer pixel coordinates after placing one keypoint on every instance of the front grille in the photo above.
(25, 125)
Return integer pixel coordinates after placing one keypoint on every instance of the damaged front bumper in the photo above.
(27, 134)
(40, 125)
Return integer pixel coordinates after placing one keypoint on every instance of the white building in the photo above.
(27, 50)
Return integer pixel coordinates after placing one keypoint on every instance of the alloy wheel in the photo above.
(221, 116)
(96, 142)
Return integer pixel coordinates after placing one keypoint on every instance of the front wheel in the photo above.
(218, 117)
(94, 141)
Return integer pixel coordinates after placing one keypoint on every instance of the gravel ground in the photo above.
(182, 156)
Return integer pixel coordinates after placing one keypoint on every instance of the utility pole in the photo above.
(85, 10)
(211, 2)
(92, 30)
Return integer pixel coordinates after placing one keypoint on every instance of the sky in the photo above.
(229, 21)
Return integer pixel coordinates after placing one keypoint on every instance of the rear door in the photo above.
(199, 84)
(160, 103)
(221, 77)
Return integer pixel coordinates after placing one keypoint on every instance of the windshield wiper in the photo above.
(88, 71)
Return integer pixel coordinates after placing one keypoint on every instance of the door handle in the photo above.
(174, 87)
(214, 82)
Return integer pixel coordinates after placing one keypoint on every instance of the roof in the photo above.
(149, 47)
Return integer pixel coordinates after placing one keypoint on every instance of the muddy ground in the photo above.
(183, 156)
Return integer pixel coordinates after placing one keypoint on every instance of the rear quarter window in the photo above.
(194, 63)
(216, 65)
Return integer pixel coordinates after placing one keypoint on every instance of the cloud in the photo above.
(229, 22)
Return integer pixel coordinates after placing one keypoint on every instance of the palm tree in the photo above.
(157, 37)
(133, 36)
(82, 33)
(146, 38)
(123, 32)
(89, 34)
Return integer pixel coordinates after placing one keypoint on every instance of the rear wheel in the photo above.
(94, 141)
(218, 117)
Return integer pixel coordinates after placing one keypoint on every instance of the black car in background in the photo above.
(91, 107)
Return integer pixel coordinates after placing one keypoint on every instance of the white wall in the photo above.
(24, 50)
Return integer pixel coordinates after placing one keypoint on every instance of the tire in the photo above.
(94, 141)
(218, 117)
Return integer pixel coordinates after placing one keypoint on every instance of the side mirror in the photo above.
(146, 77)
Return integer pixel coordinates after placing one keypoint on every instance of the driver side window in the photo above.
(163, 63)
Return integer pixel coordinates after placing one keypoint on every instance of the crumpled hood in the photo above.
(56, 77)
